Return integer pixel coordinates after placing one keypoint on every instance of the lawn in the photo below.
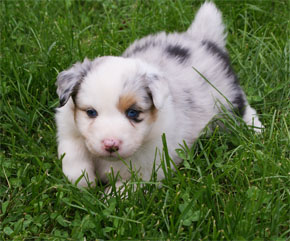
(232, 185)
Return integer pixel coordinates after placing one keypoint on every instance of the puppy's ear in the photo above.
(158, 88)
(69, 80)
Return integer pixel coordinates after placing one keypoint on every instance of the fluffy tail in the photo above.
(208, 25)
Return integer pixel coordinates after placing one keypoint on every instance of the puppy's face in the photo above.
(116, 102)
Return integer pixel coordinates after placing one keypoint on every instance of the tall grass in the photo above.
(232, 185)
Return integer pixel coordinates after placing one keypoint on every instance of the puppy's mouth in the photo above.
(114, 156)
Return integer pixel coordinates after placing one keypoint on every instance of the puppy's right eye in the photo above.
(92, 113)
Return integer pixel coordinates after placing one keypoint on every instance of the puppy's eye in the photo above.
(133, 115)
(92, 113)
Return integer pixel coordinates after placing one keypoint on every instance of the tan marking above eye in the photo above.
(126, 101)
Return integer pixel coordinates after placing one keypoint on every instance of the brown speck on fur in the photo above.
(126, 101)
(153, 114)
(75, 112)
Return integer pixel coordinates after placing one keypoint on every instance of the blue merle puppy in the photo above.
(114, 110)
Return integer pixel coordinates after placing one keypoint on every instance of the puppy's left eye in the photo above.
(92, 113)
(133, 114)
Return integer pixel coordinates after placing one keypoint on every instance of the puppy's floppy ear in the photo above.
(158, 88)
(68, 80)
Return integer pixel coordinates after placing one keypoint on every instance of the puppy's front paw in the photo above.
(252, 120)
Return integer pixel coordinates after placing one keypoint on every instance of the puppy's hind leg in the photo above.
(252, 120)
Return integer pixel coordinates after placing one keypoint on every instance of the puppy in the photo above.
(114, 110)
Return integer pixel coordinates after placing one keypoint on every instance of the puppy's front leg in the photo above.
(251, 118)
(76, 161)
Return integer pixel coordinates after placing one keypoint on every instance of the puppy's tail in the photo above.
(208, 25)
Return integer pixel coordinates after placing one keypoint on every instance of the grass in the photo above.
(231, 186)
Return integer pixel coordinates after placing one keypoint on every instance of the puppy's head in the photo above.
(116, 102)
